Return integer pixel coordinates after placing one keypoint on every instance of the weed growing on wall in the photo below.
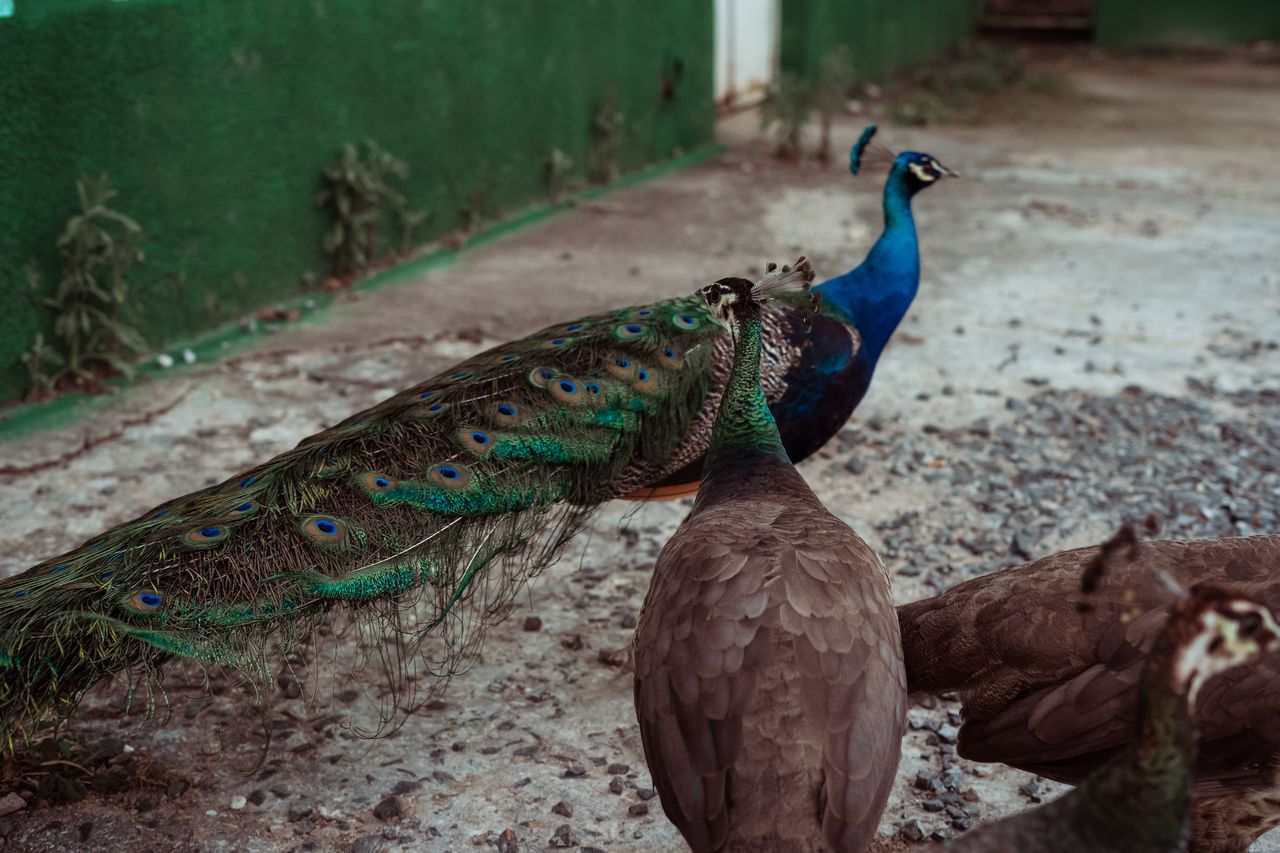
(93, 313)
(606, 138)
(952, 88)
(559, 171)
(835, 79)
(359, 198)
(785, 111)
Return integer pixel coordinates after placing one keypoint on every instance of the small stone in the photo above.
(563, 809)
(911, 831)
(238, 802)
(645, 793)
(629, 621)
(618, 769)
(406, 786)
(164, 360)
(638, 809)
(532, 623)
(612, 657)
(563, 836)
(933, 806)
(258, 797)
(507, 842)
(575, 771)
(387, 809)
(616, 785)
(367, 844)
(300, 812)
(948, 733)
(189, 356)
(11, 803)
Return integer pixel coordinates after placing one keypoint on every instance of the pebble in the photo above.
(11, 803)
(563, 836)
(911, 830)
(388, 808)
(563, 809)
(507, 842)
(638, 809)
(238, 802)
(367, 844)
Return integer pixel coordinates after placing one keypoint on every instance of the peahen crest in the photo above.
(454, 491)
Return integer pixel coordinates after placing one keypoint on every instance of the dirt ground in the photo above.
(1111, 258)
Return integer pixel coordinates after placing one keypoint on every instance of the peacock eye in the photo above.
(1249, 624)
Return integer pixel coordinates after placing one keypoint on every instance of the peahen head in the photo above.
(735, 298)
(1213, 630)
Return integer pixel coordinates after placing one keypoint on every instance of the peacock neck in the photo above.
(875, 296)
(745, 439)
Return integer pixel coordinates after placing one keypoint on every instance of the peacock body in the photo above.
(424, 514)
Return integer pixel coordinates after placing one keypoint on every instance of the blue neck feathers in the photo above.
(874, 296)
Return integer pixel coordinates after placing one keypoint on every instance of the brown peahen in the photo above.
(1055, 691)
(1139, 800)
(769, 683)
(424, 514)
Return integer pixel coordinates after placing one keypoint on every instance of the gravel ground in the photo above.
(1095, 341)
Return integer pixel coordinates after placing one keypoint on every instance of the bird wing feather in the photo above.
(1056, 692)
(828, 598)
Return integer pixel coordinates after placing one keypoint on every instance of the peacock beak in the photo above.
(948, 173)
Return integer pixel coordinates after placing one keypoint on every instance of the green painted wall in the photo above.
(214, 118)
(884, 35)
(1185, 22)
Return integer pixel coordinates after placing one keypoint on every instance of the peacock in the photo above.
(769, 682)
(1138, 801)
(1053, 690)
(420, 518)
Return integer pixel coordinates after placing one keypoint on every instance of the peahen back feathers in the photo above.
(454, 491)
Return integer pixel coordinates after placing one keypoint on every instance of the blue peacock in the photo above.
(423, 515)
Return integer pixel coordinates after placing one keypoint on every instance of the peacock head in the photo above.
(919, 170)
(914, 169)
(1214, 630)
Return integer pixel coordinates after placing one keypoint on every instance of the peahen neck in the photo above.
(875, 296)
(744, 440)
(1142, 795)
(1165, 748)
